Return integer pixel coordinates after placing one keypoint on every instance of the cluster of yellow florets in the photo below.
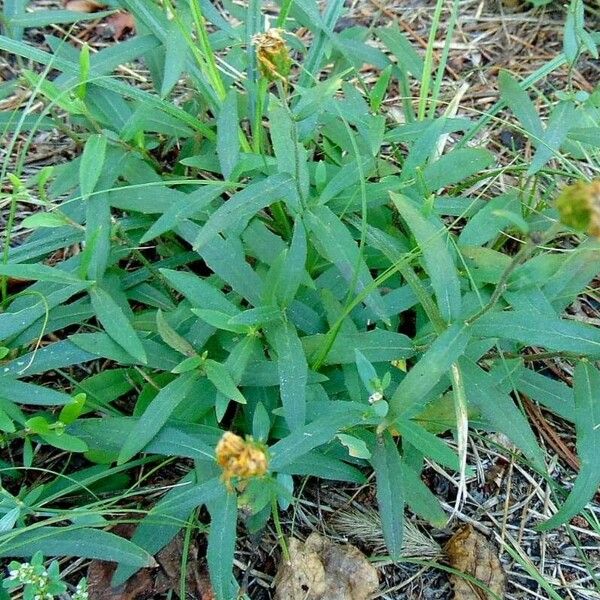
(272, 54)
(579, 206)
(240, 458)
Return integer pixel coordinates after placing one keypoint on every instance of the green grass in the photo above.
(255, 256)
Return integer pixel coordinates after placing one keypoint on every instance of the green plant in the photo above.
(39, 583)
(270, 256)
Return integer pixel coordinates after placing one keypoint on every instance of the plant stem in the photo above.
(8, 231)
(521, 256)
(279, 530)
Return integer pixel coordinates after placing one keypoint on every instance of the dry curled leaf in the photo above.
(470, 552)
(321, 570)
(120, 24)
(84, 6)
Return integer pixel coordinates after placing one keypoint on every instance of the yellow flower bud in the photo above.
(579, 207)
(273, 55)
(240, 458)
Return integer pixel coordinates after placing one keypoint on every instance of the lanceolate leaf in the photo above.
(293, 271)
(587, 405)
(293, 373)
(432, 241)
(536, 329)
(334, 242)
(519, 102)
(429, 444)
(167, 517)
(387, 463)
(445, 350)
(559, 124)
(501, 411)
(156, 415)
(228, 147)
(420, 498)
(221, 544)
(241, 207)
(116, 323)
(92, 161)
(74, 541)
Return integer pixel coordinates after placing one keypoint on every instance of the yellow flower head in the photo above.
(273, 55)
(240, 458)
(579, 207)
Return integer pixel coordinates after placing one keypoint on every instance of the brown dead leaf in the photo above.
(321, 570)
(470, 552)
(119, 25)
(150, 583)
(84, 6)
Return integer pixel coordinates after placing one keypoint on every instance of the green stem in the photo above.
(284, 13)
(520, 257)
(428, 64)
(8, 232)
(257, 129)
(279, 530)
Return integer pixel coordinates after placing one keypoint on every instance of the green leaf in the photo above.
(92, 162)
(174, 439)
(335, 243)
(71, 411)
(501, 411)
(553, 394)
(176, 51)
(559, 124)
(456, 166)
(366, 371)
(410, 395)
(517, 99)
(293, 268)
(221, 545)
(156, 415)
(191, 205)
(390, 497)
(167, 517)
(42, 18)
(538, 329)
(315, 464)
(289, 159)
(45, 219)
(64, 441)
(116, 323)
(241, 207)
(74, 541)
(228, 141)
(428, 444)
(293, 373)
(41, 273)
(377, 345)
(200, 293)
(219, 376)
(357, 448)
(488, 222)
(587, 406)
(29, 393)
(439, 265)
(398, 44)
(317, 433)
(54, 356)
(420, 498)
(171, 337)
